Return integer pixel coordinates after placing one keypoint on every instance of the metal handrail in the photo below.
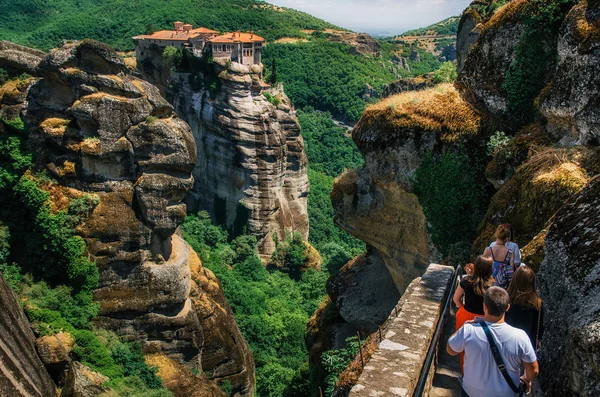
(434, 342)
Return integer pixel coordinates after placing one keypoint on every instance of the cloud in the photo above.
(375, 16)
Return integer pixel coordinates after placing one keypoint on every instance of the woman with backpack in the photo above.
(503, 257)
(526, 307)
(472, 288)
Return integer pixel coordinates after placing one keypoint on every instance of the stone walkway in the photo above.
(445, 381)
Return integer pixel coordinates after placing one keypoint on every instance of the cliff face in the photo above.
(571, 101)
(101, 131)
(376, 203)
(546, 175)
(21, 372)
(569, 284)
(251, 172)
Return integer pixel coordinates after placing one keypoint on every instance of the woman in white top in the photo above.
(512, 246)
(503, 258)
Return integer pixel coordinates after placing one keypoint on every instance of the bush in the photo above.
(130, 357)
(290, 254)
(535, 56)
(497, 142)
(335, 256)
(452, 197)
(446, 73)
(336, 361)
(272, 99)
(174, 56)
(93, 353)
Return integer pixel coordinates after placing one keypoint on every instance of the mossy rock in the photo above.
(507, 159)
(533, 253)
(537, 190)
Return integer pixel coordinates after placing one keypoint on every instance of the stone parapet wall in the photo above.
(394, 368)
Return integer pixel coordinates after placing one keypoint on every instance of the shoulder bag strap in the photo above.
(498, 357)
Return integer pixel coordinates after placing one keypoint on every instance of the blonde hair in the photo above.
(502, 233)
(522, 288)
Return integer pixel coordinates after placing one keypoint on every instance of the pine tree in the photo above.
(273, 78)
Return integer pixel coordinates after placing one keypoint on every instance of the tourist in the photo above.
(469, 269)
(526, 307)
(472, 288)
(511, 245)
(502, 256)
(486, 374)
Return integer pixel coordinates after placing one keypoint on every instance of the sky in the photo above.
(378, 16)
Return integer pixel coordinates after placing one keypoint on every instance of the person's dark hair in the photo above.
(496, 300)
(502, 233)
(522, 288)
(481, 279)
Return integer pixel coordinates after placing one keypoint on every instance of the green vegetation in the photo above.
(446, 73)
(497, 142)
(290, 255)
(326, 75)
(335, 362)
(535, 56)
(271, 308)
(3, 76)
(452, 196)
(173, 55)
(272, 98)
(44, 262)
(330, 151)
(43, 24)
(447, 27)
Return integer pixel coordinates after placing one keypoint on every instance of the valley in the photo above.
(225, 198)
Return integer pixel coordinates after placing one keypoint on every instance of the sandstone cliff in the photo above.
(360, 43)
(376, 203)
(251, 172)
(97, 129)
(21, 371)
(528, 69)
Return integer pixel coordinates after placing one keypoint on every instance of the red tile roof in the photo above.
(182, 35)
(237, 37)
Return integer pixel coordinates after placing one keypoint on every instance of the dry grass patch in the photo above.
(180, 380)
(438, 109)
(55, 126)
(540, 186)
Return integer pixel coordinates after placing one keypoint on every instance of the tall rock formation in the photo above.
(100, 131)
(535, 67)
(21, 371)
(251, 172)
(376, 203)
(569, 283)
(571, 101)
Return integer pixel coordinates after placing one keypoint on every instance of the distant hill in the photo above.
(44, 23)
(447, 27)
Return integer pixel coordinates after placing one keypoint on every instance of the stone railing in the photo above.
(392, 359)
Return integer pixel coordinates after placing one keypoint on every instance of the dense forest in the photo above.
(324, 80)
(329, 77)
(45, 23)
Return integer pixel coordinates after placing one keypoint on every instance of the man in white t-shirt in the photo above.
(482, 378)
